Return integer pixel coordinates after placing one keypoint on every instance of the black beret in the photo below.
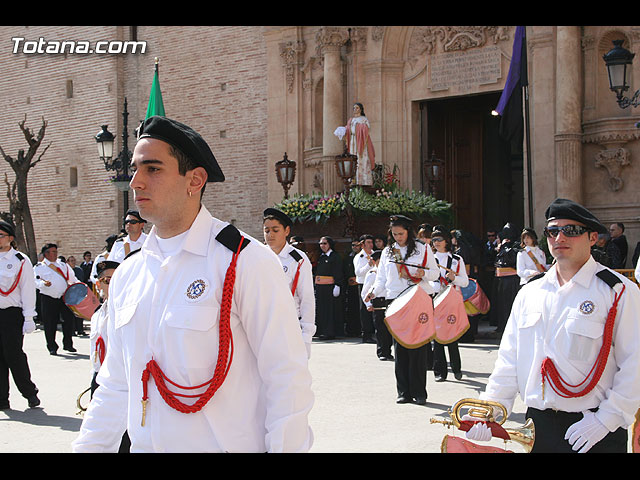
(105, 265)
(8, 228)
(281, 216)
(134, 213)
(185, 139)
(376, 254)
(562, 208)
(401, 219)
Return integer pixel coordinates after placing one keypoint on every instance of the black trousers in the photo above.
(384, 340)
(369, 325)
(12, 357)
(440, 360)
(54, 309)
(551, 427)
(410, 370)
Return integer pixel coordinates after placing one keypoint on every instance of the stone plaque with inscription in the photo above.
(462, 71)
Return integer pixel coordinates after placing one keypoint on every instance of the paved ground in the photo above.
(354, 411)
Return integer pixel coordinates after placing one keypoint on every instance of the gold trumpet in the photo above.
(81, 409)
(487, 411)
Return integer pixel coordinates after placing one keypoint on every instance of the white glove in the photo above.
(336, 290)
(586, 433)
(28, 326)
(479, 432)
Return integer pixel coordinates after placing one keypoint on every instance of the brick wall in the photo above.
(212, 78)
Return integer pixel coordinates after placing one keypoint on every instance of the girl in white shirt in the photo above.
(532, 260)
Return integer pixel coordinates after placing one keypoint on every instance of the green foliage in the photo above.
(386, 201)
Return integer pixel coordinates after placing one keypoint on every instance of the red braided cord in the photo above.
(15, 282)
(550, 372)
(295, 280)
(225, 355)
(411, 277)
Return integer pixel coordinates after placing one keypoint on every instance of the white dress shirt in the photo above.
(388, 282)
(120, 247)
(304, 295)
(24, 295)
(457, 265)
(526, 267)
(43, 271)
(566, 324)
(361, 265)
(167, 308)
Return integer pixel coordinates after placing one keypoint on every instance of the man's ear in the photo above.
(198, 179)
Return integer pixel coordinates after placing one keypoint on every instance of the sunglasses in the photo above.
(105, 280)
(567, 230)
(132, 222)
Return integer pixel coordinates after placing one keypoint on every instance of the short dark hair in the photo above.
(185, 163)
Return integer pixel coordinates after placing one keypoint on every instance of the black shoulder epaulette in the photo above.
(608, 277)
(230, 237)
(131, 253)
(296, 256)
(536, 277)
(20, 256)
(456, 257)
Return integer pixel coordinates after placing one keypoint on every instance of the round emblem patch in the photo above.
(451, 319)
(196, 289)
(423, 318)
(587, 307)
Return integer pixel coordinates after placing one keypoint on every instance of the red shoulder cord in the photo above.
(444, 281)
(295, 280)
(411, 277)
(15, 282)
(550, 373)
(101, 349)
(225, 355)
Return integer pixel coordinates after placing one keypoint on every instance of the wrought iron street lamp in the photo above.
(346, 165)
(119, 164)
(286, 173)
(433, 170)
(618, 61)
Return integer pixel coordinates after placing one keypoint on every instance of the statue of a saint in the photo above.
(359, 143)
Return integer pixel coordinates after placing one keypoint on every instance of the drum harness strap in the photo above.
(443, 280)
(549, 371)
(415, 280)
(231, 238)
(298, 258)
(16, 281)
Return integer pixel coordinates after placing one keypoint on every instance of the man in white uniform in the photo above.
(133, 225)
(570, 348)
(205, 352)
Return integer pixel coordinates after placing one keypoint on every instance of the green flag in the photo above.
(156, 106)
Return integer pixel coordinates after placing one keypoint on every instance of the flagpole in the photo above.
(525, 95)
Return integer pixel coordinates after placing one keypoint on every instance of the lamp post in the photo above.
(346, 165)
(433, 171)
(119, 164)
(286, 173)
(618, 61)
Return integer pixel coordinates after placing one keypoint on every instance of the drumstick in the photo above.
(420, 266)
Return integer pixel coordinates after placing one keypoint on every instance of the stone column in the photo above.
(568, 136)
(330, 40)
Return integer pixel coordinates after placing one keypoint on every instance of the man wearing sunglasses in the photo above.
(133, 225)
(570, 345)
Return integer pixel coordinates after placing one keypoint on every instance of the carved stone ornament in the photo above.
(291, 52)
(613, 160)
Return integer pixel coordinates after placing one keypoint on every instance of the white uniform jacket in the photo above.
(367, 285)
(98, 329)
(123, 246)
(304, 295)
(566, 324)
(361, 266)
(167, 309)
(24, 295)
(526, 267)
(59, 284)
(388, 282)
(457, 265)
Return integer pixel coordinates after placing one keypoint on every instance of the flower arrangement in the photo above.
(320, 207)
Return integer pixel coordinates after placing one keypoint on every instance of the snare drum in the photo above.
(409, 318)
(451, 320)
(81, 300)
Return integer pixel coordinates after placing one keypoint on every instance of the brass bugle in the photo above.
(485, 410)
(81, 409)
